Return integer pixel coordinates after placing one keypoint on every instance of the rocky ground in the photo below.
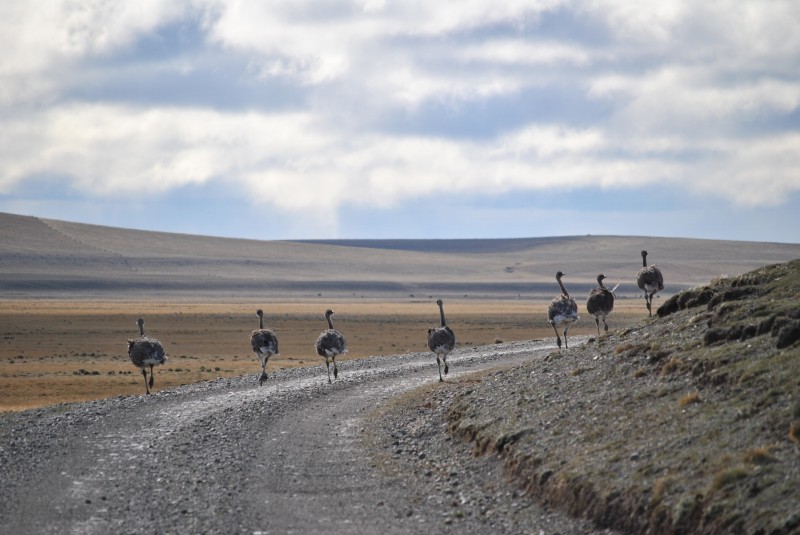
(686, 423)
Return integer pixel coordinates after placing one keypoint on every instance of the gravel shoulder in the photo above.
(295, 456)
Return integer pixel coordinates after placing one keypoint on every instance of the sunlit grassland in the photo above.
(74, 350)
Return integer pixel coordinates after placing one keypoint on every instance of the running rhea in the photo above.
(563, 310)
(650, 281)
(441, 341)
(330, 344)
(264, 344)
(600, 303)
(145, 351)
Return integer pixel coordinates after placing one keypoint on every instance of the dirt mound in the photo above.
(684, 423)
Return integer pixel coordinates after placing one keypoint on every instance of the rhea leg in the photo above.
(648, 300)
(152, 377)
(328, 365)
(597, 322)
(558, 338)
(144, 374)
(439, 364)
(446, 368)
(566, 344)
(263, 372)
(335, 369)
(605, 324)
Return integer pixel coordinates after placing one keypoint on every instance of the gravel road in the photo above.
(228, 456)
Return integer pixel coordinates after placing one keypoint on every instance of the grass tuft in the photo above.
(759, 456)
(688, 399)
(671, 366)
(622, 348)
(794, 432)
(728, 477)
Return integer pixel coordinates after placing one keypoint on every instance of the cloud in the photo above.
(316, 106)
(293, 162)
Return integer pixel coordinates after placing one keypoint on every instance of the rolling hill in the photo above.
(50, 258)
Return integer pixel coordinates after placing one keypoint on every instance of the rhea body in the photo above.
(145, 351)
(650, 281)
(600, 303)
(441, 341)
(264, 344)
(563, 311)
(331, 344)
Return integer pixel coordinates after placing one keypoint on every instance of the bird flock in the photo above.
(562, 312)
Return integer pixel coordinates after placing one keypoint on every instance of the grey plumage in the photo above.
(264, 344)
(600, 303)
(563, 310)
(145, 351)
(650, 281)
(441, 341)
(330, 344)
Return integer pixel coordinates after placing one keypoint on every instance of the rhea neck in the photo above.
(600, 281)
(140, 322)
(441, 311)
(328, 315)
(644, 258)
(563, 290)
(260, 319)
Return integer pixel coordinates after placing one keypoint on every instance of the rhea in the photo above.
(441, 341)
(264, 344)
(331, 344)
(562, 311)
(600, 303)
(145, 351)
(650, 281)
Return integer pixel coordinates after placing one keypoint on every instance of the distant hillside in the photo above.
(50, 258)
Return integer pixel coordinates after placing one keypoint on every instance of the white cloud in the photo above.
(691, 100)
(619, 94)
(43, 42)
(294, 162)
(526, 52)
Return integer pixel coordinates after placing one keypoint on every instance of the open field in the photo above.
(70, 294)
(58, 351)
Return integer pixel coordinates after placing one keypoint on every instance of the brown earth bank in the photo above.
(63, 351)
(688, 422)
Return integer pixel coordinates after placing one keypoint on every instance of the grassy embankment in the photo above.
(685, 423)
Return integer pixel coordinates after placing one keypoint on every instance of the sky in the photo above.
(408, 119)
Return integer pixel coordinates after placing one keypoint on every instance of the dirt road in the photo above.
(228, 456)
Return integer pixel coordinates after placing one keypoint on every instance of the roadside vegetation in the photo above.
(688, 422)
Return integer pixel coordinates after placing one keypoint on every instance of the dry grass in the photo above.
(623, 347)
(688, 399)
(729, 476)
(671, 366)
(640, 372)
(794, 432)
(761, 455)
(57, 351)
